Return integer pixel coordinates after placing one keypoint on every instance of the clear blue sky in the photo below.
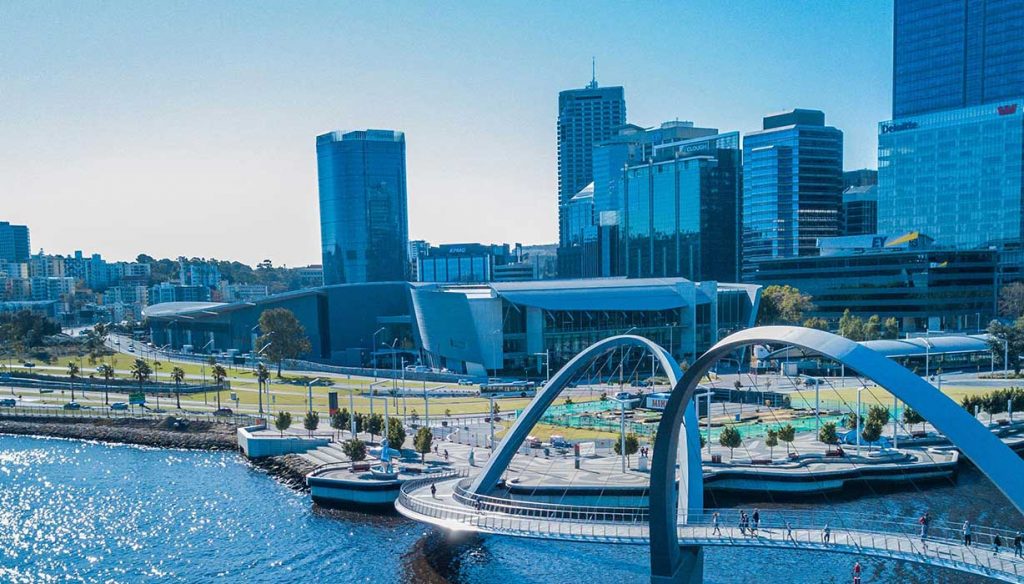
(188, 127)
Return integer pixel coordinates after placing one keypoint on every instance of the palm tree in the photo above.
(72, 373)
(219, 375)
(140, 372)
(157, 365)
(178, 375)
(262, 375)
(108, 373)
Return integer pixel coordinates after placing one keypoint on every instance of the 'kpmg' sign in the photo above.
(889, 128)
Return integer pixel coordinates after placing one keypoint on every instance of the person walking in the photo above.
(924, 521)
(714, 524)
(757, 522)
(789, 531)
(433, 491)
(856, 573)
(1018, 542)
(743, 523)
(966, 532)
(826, 534)
(997, 542)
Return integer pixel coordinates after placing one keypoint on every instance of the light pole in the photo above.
(373, 357)
(547, 364)
(309, 392)
(491, 418)
(386, 416)
(622, 432)
(494, 345)
(708, 441)
(858, 419)
(352, 412)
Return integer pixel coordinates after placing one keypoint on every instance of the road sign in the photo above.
(137, 398)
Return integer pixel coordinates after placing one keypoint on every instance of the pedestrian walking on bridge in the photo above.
(856, 573)
(826, 534)
(1018, 552)
(966, 532)
(714, 523)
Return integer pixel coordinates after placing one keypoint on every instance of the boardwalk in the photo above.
(852, 534)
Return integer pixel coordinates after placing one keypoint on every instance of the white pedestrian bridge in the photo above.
(454, 507)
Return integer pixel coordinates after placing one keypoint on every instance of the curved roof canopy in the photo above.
(911, 347)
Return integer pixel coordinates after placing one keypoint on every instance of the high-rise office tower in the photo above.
(792, 187)
(950, 160)
(14, 242)
(950, 54)
(680, 210)
(585, 117)
(364, 223)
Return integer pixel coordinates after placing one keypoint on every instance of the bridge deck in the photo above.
(880, 537)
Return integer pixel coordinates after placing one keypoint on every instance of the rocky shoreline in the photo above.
(170, 432)
(167, 433)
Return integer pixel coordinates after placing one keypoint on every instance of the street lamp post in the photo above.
(491, 418)
(309, 393)
(547, 364)
(373, 357)
(858, 419)
(622, 432)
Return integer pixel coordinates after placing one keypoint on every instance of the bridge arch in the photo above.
(692, 478)
(996, 460)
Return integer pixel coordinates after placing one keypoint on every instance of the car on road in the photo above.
(131, 348)
(8, 403)
(224, 412)
(119, 406)
(72, 406)
(465, 382)
(28, 364)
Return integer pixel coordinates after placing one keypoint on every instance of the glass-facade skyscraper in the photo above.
(585, 117)
(792, 187)
(364, 224)
(954, 175)
(950, 54)
(14, 243)
(680, 211)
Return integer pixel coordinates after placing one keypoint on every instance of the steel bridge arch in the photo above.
(994, 458)
(692, 479)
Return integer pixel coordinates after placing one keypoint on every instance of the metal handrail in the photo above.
(700, 529)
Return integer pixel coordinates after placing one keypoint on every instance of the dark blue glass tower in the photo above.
(950, 54)
(364, 224)
(585, 117)
(792, 187)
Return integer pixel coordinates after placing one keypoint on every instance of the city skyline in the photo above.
(228, 121)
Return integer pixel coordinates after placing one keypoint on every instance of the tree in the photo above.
(354, 449)
(850, 420)
(632, 445)
(787, 434)
(828, 433)
(873, 328)
(783, 305)
(140, 372)
(283, 421)
(771, 440)
(891, 328)
(816, 323)
(1013, 335)
(262, 376)
(283, 335)
(107, 372)
(219, 375)
(730, 438)
(422, 442)
(375, 425)
(340, 419)
(851, 327)
(911, 417)
(73, 371)
(177, 375)
(1011, 300)
(871, 432)
(878, 414)
(310, 422)
(396, 433)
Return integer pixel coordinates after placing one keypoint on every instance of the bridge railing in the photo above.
(778, 527)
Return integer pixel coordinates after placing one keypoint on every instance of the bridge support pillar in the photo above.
(690, 569)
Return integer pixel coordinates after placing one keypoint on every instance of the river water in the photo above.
(74, 511)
